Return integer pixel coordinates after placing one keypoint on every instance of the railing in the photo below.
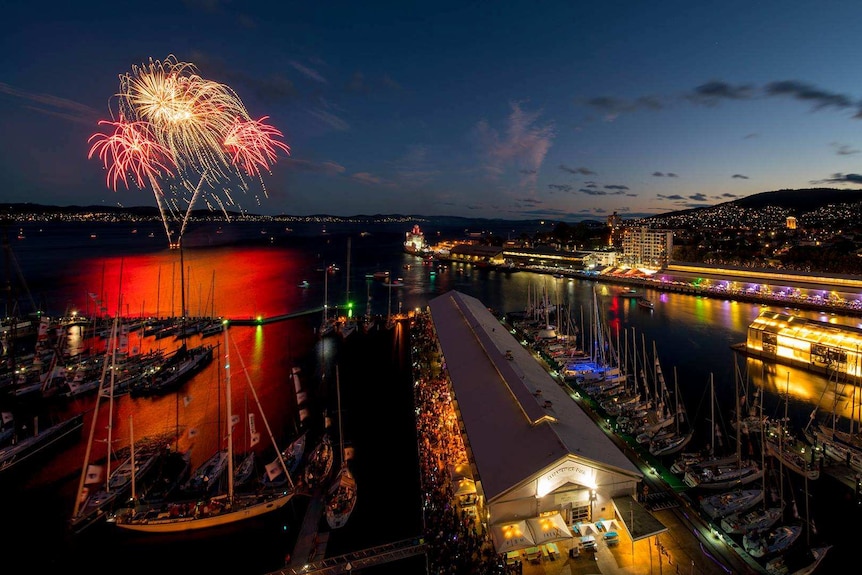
(360, 559)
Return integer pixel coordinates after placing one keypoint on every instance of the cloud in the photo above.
(739, 177)
(808, 93)
(616, 187)
(356, 84)
(729, 195)
(611, 107)
(327, 167)
(593, 192)
(414, 168)
(662, 174)
(839, 178)
(523, 145)
(711, 93)
(367, 178)
(751, 136)
(698, 197)
(52, 105)
(359, 84)
(330, 119)
(211, 6)
(577, 171)
(390, 83)
(528, 172)
(673, 197)
(844, 149)
(308, 72)
(714, 92)
(530, 201)
(561, 187)
(271, 89)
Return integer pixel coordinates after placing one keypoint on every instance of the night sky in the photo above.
(558, 110)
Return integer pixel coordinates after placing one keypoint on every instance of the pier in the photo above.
(261, 320)
(358, 559)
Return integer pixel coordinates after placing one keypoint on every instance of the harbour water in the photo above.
(251, 270)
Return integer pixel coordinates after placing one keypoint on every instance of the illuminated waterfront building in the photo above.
(808, 343)
(645, 247)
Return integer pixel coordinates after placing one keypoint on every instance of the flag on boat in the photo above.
(7, 416)
(234, 419)
(252, 428)
(124, 339)
(193, 432)
(95, 474)
(273, 469)
(187, 400)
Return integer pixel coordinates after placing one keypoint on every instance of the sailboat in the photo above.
(222, 509)
(740, 472)
(769, 542)
(782, 445)
(101, 488)
(341, 497)
(840, 446)
(319, 464)
(678, 439)
(784, 565)
(757, 519)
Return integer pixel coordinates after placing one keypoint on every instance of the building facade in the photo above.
(647, 248)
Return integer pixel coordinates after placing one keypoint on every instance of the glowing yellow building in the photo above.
(804, 342)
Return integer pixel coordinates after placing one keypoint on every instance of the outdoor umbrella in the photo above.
(511, 536)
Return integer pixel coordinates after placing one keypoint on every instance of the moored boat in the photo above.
(723, 504)
(319, 463)
(786, 565)
(770, 542)
(754, 520)
(227, 506)
(28, 447)
(415, 243)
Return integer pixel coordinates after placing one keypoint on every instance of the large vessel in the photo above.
(414, 242)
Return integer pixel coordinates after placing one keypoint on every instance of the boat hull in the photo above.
(167, 524)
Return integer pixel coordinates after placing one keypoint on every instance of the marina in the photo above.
(271, 325)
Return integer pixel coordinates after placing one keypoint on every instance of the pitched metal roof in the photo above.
(518, 419)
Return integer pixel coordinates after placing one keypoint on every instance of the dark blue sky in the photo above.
(561, 110)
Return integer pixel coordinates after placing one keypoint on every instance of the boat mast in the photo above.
(227, 394)
(347, 295)
(132, 455)
(325, 297)
(340, 428)
(263, 417)
(712, 413)
(110, 352)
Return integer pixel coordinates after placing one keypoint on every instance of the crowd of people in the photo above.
(458, 541)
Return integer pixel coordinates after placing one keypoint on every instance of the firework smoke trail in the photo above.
(201, 128)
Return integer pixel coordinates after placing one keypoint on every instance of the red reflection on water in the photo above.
(238, 283)
(231, 282)
(614, 322)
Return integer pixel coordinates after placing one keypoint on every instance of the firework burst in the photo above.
(173, 124)
(254, 145)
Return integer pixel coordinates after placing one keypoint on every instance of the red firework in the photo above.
(131, 151)
(252, 145)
